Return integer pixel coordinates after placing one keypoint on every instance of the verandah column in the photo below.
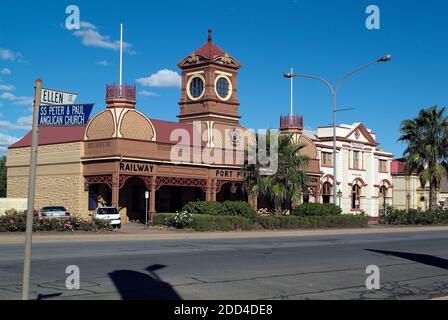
(115, 189)
(208, 190)
(213, 191)
(152, 198)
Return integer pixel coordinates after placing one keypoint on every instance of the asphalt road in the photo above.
(413, 265)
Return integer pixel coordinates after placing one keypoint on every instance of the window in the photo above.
(383, 197)
(357, 160)
(326, 192)
(383, 166)
(327, 159)
(195, 87)
(356, 197)
(222, 87)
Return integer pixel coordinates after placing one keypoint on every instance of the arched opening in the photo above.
(383, 198)
(356, 197)
(132, 199)
(326, 192)
(100, 195)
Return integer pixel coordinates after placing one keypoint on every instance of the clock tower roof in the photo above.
(209, 52)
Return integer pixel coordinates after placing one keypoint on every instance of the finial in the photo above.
(209, 39)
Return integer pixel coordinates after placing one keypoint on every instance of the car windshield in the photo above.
(53, 209)
(107, 211)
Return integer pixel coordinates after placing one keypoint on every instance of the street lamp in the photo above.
(334, 92)
(340, 198)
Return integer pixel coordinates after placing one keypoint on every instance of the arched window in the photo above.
(356, 197)
(326, 192)
(383, 197)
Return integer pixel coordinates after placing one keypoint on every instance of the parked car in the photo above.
(53, 212)
(110, 214)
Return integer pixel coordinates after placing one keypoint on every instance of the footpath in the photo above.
(136, 232)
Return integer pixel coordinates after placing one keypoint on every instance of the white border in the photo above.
(230, 91)
(188, 87)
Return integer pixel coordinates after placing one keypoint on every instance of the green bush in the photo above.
(17, 223)
(317, 209)
(204, 207)
(238, 208)
(311, 222)
(221, 223)
(227, 223)
(162, 219)
(413, 217)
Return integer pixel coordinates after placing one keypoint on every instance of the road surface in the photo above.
(413, 265)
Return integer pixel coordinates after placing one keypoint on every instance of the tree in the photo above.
(3, 177)
(426, 153)
(284, 187)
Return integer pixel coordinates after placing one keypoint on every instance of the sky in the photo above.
(317, 37)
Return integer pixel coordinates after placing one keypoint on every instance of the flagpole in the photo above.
(121, 56)
(292, 93)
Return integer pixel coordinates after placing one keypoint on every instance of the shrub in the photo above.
(17, 223)
(204, 207)
(221, 223)
(317, 209)
(238, 208)
(414, 217)
(180, 220)
(312, 222)
(162, 219)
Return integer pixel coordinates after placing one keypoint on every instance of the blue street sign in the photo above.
(65, 115)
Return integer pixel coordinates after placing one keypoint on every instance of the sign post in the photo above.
(146, 210)
(55, 97)
(31, 191)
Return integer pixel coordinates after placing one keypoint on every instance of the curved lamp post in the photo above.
(334, 92)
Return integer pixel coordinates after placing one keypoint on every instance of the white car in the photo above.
(110, 214)
(54, 212)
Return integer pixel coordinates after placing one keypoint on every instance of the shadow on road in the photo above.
(420, 258)
(133, 285)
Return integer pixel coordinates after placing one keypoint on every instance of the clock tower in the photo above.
(209, 86)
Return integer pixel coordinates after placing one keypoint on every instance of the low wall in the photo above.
(19, 204)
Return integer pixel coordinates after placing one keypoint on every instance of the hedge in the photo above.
(317, 209)
(414, 217)
(228, 208)
(17, 223)
(227, 223)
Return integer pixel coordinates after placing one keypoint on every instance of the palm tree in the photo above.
(426, 153)
(285, 186)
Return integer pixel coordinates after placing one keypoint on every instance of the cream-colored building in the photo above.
(364, 181)
(408, 192)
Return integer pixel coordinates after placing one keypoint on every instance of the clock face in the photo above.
(223, 87)
(195, 88)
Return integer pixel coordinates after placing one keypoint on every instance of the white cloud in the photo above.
(5, 71)
(4, 87)
(5, 142)
(23, 123)
(90, 37)
(8, 55)
(25, 101)
(148, 93)
(162, 79)
(103, 63)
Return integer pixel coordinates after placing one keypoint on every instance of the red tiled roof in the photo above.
(398, 167)
(209, 51)
(165, 128)
(53, 135)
